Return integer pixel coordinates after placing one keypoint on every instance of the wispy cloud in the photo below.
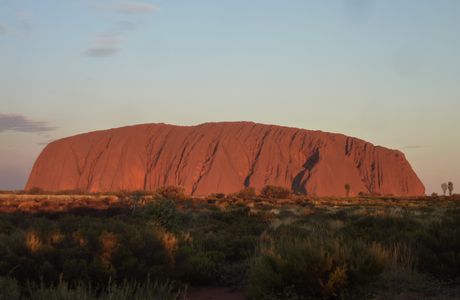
(109, 43)
(102, 48)
(19, 123)
(132, 7)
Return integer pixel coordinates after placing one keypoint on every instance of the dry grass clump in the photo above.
(126, 290)
(109, 242)
(33, 241)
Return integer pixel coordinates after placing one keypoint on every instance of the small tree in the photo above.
(347, 189)
(450, 186)
(444, 188)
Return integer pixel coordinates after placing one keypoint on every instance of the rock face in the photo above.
(222, 158)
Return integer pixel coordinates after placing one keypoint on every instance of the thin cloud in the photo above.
(18, 123)
(131, 7)
(105, 45)
(109, 43)
(101, 51)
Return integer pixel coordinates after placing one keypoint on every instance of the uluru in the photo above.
(222, 157)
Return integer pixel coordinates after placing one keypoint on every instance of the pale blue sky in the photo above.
(384, 71)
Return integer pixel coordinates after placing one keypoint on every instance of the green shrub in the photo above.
(84, 249)
(163, 213)
(438, 247)
(434, 242)
(396, 281)
(385, 229)
(201, 267)
(318, 266)
(9, 289)
(328, 253)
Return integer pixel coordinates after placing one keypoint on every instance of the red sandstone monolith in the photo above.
(222, 158)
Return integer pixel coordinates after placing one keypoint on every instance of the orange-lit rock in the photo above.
(222, 157)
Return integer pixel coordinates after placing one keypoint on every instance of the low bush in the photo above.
(275, 192)
(222, 244)
(172, 192)
(217, 196)
(163, 213)
(247, 193)
(9, 289)
(312, 266)
(82, 249)
(438, 246)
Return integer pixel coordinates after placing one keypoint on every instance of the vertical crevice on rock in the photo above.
(300, 180)
(206, 166)
(94, 163)
(255, 161)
